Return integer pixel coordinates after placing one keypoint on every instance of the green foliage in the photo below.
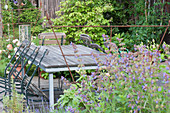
(15, 104)
(20, 16)
(7, 50)
(82, 13)
(128, 84)
(147, 15)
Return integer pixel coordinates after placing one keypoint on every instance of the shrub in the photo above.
(130, 83)
(82, 13)
(7, 50)
(147, 13)
(20, 16)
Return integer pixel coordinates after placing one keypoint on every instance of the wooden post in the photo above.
(1, 30)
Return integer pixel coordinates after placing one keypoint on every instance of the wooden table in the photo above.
(54, 61)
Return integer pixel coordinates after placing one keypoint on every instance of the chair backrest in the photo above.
(89, 42)
(24, 86)
(49, 38)
(86, 39)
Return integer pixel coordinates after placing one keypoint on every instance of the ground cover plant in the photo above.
(129, 83)
(17, 104)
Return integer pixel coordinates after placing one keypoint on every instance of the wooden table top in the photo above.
(54, 59)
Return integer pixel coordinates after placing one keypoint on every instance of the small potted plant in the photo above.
(45, 75)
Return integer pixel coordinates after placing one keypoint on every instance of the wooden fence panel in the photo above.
(50, 6)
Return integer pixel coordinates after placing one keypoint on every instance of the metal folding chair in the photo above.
(50, 39)
(87, 41)
(28, 88)
(5, 82)
(23, 84)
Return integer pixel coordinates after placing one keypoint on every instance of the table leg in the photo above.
(51, 91)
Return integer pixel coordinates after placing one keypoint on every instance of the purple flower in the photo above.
(71, 43)
(62, 78)
(164, 46)
(133, 106)
(148, 67)
(107, 99)
(69, 108)
(152, 82)
(159, 89)
(85, 100)
(15, 2)
(167, 68)
(136, 66)
(157, 102)
(99, 105)
(103, 35)
(128, 96)
(151, 95)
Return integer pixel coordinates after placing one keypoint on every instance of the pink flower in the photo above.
(9, 47)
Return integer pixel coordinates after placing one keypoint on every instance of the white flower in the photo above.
(17, 53)
(6, 7)
(8, 40)
(14, 41)
(9, 56)
(7, 72)
(32, 43)
(29, 62)
(18, 44)
(34, 37)
(15, 49)
(3, 50)
(107, 74)
(0, 51)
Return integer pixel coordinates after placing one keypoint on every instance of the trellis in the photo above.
(17, 3)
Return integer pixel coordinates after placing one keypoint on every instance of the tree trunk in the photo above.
(0, 20)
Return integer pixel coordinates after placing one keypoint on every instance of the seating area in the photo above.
(84, 56)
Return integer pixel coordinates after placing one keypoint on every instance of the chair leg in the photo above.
(39, 78)
(60, 82)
